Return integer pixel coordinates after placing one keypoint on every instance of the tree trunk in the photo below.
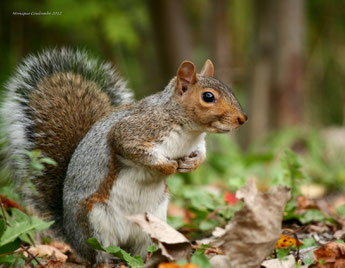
(221, 49)
(277, 95)
(288, 63)
(259, 115)
(172, 34)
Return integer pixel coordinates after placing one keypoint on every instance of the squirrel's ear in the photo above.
(186, 76)
(208, 69)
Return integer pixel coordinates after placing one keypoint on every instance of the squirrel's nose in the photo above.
(241, 119)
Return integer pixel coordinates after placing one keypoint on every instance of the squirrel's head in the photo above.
(208, 102)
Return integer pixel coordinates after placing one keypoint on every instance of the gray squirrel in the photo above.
(113, 154)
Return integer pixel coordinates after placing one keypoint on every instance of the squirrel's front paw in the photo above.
(168, 167)
(190, 163)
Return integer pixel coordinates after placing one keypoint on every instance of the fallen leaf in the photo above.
(8, 203)
(286, 241)
(52, 264)
(48, 251)
(276, 263)
(63, 247)
(252, 233)
(172, 244)
(330, 252)
(305, 203)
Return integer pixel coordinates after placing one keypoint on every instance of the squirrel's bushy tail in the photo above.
(52, 101)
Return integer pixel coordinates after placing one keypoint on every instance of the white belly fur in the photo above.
(138, 190)
(129, 196)
(179, 144)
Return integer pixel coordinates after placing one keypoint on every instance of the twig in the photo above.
(30, 254)
(297, 241)
(216, 210)
(209, 250)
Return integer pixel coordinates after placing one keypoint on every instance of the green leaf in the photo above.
(93, 242)
(19, 215)
(2, 226)
(311, 215)
(10, 247)
(308, 242)
(152, 248)
(282, 253)
(13, 260)
(37, 166)
(24, 225)
(8, 259)
(309, 258)
(176, 222)
(200, 260)
(134, 262)
(200, 199)
(25, 238)
(207, 225)
(48, 160)
(341, 211)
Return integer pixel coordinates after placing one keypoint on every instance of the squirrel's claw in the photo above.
(190, 163)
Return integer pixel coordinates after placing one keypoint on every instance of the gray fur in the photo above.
(15, 112)
(90, 160)
(129, 153)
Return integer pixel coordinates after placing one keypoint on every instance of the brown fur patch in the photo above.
(65, 107)
(103, 191)
(225, 109)
(166, 168)
(166, 188)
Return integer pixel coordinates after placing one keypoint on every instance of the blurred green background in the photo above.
(285, 61)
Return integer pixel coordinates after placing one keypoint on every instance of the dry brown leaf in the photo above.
(8, 203)
(252, 233)
(48, 251)
(172, 244)
(330, 252)
(63, 247)
(52, 264)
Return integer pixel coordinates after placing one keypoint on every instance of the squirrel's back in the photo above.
(52, 101)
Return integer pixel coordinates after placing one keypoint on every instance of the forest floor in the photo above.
(283, 206)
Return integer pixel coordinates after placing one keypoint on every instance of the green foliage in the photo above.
(21, 225)
(282, 253)
(272, 161)
(308, 242)
(16, 227)
(200, 260)
(309, 259)
(209, 210)
(117, 252)
(341, 211)
(311, 215)
(152, 248)
(292, 167)
(36, 162)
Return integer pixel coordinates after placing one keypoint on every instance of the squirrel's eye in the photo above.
(208, 97)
